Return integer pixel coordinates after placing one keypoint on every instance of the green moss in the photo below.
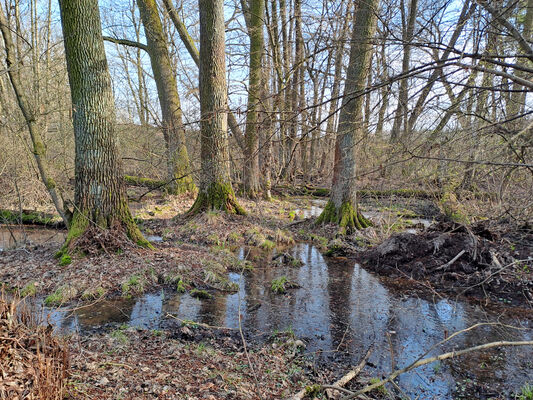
(233, 237)
(39, 149)
(254, 237)
(214, 239)
(31, 217)
(526, 392)
(50, 183)
(29, 290)
(346, 216)
(279, 285)
(312, 390)
(218, 196)
(78, 225)
(134, 285)
(65, 260)
(144, 182)
(120, 336)
(181, 287)
(54, 299)
(268, 245)
(93, 293)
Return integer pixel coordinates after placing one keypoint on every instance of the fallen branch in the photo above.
(430, 360)
(348, 377)
(337, 385)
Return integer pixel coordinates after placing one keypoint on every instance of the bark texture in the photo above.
(255, 11)
(100, 196)
(342, 205)
(178, 166)
(215, 190)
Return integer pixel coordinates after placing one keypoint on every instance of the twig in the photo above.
(451, 261)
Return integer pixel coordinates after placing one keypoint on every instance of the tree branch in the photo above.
(522, 42)
(126, 42)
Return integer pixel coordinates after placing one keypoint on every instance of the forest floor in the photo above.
(487, 262)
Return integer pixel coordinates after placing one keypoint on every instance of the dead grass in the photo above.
(33, 362)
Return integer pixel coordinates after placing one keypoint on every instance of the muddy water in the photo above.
(16, 236)
(339, 311)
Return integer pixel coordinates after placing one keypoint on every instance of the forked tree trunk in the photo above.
(215, 190)
(178, 167)
(100, 195)
(342, 205)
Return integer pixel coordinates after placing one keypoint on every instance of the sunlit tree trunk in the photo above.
(342, 205)
(178, 168)
(100, 196)
(215, 190)
(255, 11)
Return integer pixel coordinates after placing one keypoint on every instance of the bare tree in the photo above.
(215, 190)
(100, 196)
(342, 206)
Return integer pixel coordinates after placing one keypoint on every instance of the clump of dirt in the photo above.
(477, 261)
(33, 362)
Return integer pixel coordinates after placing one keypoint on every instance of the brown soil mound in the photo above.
(33, 363)
(455, 259)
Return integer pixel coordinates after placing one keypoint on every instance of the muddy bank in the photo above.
(142, 364)
(479, 261)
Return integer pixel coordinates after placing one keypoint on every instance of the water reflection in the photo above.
(13, 236)
(339, 307)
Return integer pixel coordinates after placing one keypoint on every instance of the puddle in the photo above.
(16, 236)
(316, 206)
(340, 307)
(314, 209)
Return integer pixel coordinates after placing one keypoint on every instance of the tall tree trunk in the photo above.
(195, 55)
(342, 205)
(178, 168)
(256, 11)
(335, 90)
(268, 131)
(403, 95)
(215, 190)
(100, 194)
(30, 116)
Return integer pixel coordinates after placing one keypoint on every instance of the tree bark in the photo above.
(178, 167)
(256, 11)
(195, 55)
(215, 190)
(403, 95)
(100, 196)
(342, 205)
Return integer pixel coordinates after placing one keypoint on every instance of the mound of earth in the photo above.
(472, 261)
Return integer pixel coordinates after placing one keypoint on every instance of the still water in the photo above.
(340, 310)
